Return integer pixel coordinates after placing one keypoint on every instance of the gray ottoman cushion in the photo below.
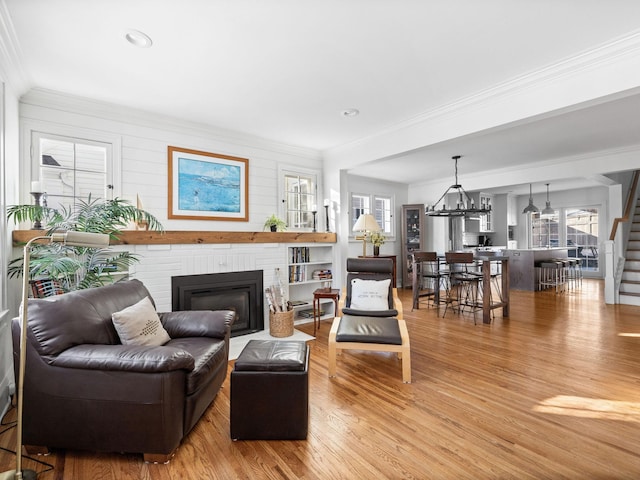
(369, 330)
(272, 356)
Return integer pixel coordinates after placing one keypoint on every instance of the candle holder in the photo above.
(36, 224)
(326, 217)
(314, 213)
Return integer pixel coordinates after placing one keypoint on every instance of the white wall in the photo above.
(368, 186)
(142, 141)
(9, 175)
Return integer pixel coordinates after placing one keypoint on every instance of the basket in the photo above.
(281, 323)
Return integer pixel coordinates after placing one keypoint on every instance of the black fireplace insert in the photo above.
(239, 291)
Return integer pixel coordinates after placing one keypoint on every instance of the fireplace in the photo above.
(239, 291)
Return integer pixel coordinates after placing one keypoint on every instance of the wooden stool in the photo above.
(319, 293)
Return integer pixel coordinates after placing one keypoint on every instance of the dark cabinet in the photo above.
(413, 223)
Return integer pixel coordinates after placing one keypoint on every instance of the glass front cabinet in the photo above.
(413, 224)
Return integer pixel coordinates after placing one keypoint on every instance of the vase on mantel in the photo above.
(376, 250)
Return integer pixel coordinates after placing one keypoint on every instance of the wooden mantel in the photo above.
(182, 237)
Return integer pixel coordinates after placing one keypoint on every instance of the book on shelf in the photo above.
(297, 303)
(300, 254)
(309, 313)
(297, 273)
(322, 275)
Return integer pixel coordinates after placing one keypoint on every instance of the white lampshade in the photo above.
(366, 223)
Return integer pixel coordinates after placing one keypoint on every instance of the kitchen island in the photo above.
(522, 269)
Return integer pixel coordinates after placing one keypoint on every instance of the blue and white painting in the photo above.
(206, 186)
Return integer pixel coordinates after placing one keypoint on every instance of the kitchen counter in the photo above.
(522, 270)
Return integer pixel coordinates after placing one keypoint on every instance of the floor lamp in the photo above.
(366, 223)
(72, 239)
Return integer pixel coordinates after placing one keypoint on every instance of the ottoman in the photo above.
(270, 391)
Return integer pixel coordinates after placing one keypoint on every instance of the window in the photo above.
(71, 168)
(576, 228)
(382, 212)
(544, 230)
(379, 206)
(359, 206)
(300, 200)
(582, 236)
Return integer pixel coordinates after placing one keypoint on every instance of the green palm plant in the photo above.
(74, 268)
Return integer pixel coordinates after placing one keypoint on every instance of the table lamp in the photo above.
(72, 239)
(366, 223)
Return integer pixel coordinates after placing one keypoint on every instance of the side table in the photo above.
(319, 293)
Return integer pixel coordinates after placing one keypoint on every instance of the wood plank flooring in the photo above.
(553, 392)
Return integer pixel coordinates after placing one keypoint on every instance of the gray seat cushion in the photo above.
(369, 330)
(369, 313)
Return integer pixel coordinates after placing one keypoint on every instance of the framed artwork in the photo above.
(207, 186)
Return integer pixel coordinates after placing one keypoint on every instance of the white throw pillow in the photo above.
(370, 294)
(139, 324)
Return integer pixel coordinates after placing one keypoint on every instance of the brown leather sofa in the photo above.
(85, 390)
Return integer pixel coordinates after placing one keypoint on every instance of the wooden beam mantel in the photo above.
(182, 237)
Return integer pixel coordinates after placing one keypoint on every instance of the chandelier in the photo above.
(464, 205)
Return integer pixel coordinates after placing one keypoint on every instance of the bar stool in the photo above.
(564, 272)
(551, 275)
(568, 266)
(427, 278)
(575, 272)
(464, 284)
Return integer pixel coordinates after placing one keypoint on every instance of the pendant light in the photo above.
(464, 203)
(548, 211)
(531, 208)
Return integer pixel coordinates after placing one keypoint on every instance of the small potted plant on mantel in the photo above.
(275, 224)
(377, 239)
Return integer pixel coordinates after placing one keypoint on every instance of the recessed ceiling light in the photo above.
(138, 39)
(351, 112)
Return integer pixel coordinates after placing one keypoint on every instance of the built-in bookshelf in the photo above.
(309, 267)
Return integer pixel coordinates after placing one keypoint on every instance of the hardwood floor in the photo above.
(552, 392)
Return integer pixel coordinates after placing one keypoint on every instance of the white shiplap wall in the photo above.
(160, 263)
(141, 140)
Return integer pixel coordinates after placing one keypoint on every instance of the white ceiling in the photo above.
(285, 69)
(607, 126)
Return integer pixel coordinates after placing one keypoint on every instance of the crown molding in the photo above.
(11, 70)
(627, 46)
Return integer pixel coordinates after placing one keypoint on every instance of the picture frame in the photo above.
(207, 186)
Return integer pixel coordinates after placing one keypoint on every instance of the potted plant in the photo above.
(74, 268)
(275, 224)
(377, 239)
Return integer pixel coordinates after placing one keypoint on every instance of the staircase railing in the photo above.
(631, 197)
(614, 261)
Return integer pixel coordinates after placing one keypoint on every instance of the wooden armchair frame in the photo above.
(403, 350)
